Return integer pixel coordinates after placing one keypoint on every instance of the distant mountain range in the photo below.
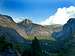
(28, 29)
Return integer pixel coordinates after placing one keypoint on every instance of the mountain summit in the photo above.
(26, 21)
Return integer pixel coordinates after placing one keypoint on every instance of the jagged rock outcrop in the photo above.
(26, 22)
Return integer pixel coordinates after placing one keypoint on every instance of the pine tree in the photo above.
(36, 49)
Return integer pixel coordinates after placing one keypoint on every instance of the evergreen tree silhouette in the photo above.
(36, 49)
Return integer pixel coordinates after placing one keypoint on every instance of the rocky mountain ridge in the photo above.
(27, 28)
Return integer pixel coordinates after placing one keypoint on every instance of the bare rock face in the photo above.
(33, 29)
(26, 21)
(7, 21)
(42, 32)
(26, 28)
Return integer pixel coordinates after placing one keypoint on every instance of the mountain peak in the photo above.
(26, 21)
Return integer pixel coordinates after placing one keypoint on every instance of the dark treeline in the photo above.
(35, 49)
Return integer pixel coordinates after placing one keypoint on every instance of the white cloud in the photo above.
(61, 16)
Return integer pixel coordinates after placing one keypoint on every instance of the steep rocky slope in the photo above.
(66, 37)
(11, 35)
(68, 30)
(28, 29)
(34, 29)
(7, 21)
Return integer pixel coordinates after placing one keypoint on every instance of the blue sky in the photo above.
(36, 10)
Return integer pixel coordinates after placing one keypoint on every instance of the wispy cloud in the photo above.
(61, 16)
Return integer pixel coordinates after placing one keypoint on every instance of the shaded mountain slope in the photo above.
(66, 37)
(11, 35)
(67, 30)
(7, 21)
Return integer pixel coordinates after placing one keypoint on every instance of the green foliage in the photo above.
(3, 43)
(31, 37)
(20, 47)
